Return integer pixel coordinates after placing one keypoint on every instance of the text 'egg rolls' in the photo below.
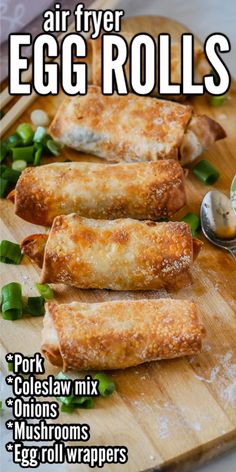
(140, 190)
(120, 334)
(133, 128)
(122, 254)
(201, 65)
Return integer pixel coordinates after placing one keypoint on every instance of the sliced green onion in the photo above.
(193, 221)
(19, 165)
(11, 175)
(83, 402)
(26, 133)
(24, 154)
(4, 187)
(10, 366)
(39, 134)
(106, 387)
(3, 150)
(217, 100)
(12, 306)
(74, 401)
(2, 169)
(67, 408)
(38, 154)
(53, 147)
(14, 141)
(45, 291)
(10, 253)
(39, 118)
(35, 306)
(205, 172)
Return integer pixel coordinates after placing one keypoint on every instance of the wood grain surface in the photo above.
(175, 414)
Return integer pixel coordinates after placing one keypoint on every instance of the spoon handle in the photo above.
(233, 252)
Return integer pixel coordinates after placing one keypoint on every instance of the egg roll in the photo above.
(119, 334)
(132, 128)
(140, 190)
(121, 254)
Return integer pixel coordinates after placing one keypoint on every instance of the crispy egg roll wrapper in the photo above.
(122, 254)
(140, 190)
(120, 334)
(132, 128)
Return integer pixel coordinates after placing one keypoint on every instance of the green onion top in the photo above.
(45, 291)
(19, 165)
(11, 175)
(39, 134)
(193, 221)
(35, 306)
(3, 150)
(205, 172)
(12, 306)
(4, 187)
(26, 133)
(106, 386)
(14, 141)
(10, 253)
(23, 154)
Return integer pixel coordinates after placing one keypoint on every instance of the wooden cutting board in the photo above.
(172, 414)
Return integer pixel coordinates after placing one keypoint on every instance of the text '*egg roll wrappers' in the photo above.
(140, 190)
(133, 128)
(120, 334)
(122, 254)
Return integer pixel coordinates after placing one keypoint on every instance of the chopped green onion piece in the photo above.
(106, 387)
(14, 141)
(39, 134)
(26, 133)
(11, 175)
(3, 150)
(67, 408)
(72, 401)
(12, 301)
(19, 165)
(35, 306)
(193, 221)
(83, 402)
(2, 169)
(10, 253)
(217, 101)
(4, 187)
(53, 147)
(205, 172)
(45, 291)
(1, 114)
(10, 366)
(23, 153)
(38, 154)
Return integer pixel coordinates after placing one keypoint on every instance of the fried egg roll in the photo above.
(140, 190)
(132, 128)
(122, 254)
(120, 334)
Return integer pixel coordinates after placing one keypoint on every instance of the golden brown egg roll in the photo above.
(120, 334)
(122, 254)
(132, 128)
(140, 190)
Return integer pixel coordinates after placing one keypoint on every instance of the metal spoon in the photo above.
(218, 221)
